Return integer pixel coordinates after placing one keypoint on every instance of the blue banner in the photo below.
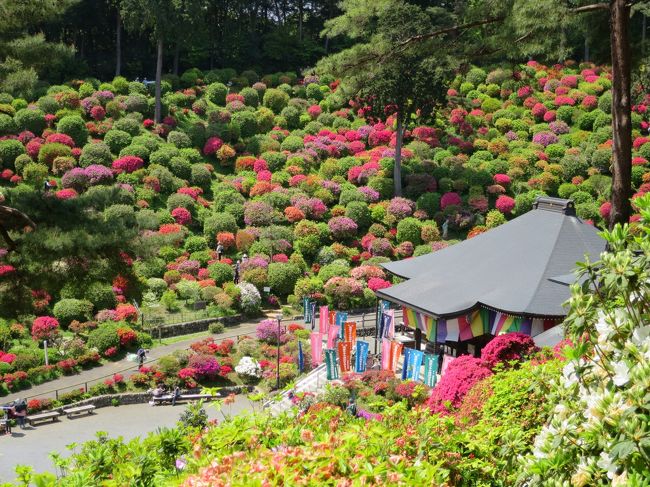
(405, 366)
(430, 369)
(386, 321)
(301, 357)
(361, 357)
(415, 362)
(341, 318)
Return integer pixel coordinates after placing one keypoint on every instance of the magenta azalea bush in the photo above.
(461, 375)
(508, 347)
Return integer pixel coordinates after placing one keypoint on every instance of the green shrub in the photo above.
(216, 223)
(251, 97)
(359, 212)
(9, 150)
(409, 230)
(35, 174)
(275, 99)
(216, 328)
(282, 278)
(101, 295)
(75, 127)
(7, 125)
(221, 273)
(31, 119)
(104, 337)
(67, 310)
(179, 139)
(216, 93)
(95, 153)
(49, 152)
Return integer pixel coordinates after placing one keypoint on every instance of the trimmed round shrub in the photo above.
(49, 152)
(359, 212)
(251, 96)
(104, 337)
(7, 125)
(101, 295)
(179, 139)
(9, 151)
(68, 310)
(275, 99)
(95, 153)
(216, 223)
(117, 140)
(31, 119)
(221, 273)
(35, 174)
(282, 277)
(129, 124)
(507, 348)
(216, 93)
(409, 230)
(75, 127)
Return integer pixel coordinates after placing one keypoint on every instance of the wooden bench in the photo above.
(182, 397)
(53, 415)
(88, 408)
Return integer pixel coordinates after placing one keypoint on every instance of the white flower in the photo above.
(607, 463)
(640, 335)
(602, 327)
(570, 376)
(248, 366)
(622, 373)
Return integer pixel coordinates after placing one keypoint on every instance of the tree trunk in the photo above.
(397, 169)
(621, 113)
(118, 44)
(177, 55)
(644, 27)
(586, 50)
(300, 15)
(159, 63)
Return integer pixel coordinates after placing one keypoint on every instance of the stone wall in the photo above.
(127, 398)
(166, 331)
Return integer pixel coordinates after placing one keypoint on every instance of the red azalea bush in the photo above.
(45, 328)
(127, 336)
(461, 375)
(508, 347)
(67, 366)
(127, 164)
(110, 352)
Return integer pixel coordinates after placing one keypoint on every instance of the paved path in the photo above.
(32, 445)
(97, 374)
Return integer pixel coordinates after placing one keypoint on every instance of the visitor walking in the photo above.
(244, 257)
(175, 395)
(20, 411)
(219, 250)
(237, 272)
(141, 353)
(8, 418)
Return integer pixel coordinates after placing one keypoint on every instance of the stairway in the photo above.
(312, 382)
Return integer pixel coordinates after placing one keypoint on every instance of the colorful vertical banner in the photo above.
(446, 360)
(388, 324)
(405, 366)
(306, 308)
(361, 357)
(415, 362)
(323, 320)
(316, 348)
(385, 354)
(301, 357)
(395, 354)
(345, 353)
(430, 369)
(332, 335)
(332, 318)
(330, 363)
(350, 334)
(341, 318)
(312, 314)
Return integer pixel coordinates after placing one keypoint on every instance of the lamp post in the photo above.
(277, 369)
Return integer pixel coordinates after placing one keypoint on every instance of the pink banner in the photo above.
(446, 360)
(332, 335)
(385, 354)
(316, 348)
(323, 319)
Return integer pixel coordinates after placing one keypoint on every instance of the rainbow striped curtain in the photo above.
(415, 320)
(474, 324)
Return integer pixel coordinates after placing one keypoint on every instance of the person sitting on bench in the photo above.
(175, 395)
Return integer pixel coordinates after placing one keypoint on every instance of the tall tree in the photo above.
(386, 70)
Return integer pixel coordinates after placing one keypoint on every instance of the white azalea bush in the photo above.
(599, 432)
(250, 299)
(249, 369)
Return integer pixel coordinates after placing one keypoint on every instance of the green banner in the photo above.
(330, 363)
(430, 369)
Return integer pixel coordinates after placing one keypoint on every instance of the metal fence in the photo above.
(365, 328)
